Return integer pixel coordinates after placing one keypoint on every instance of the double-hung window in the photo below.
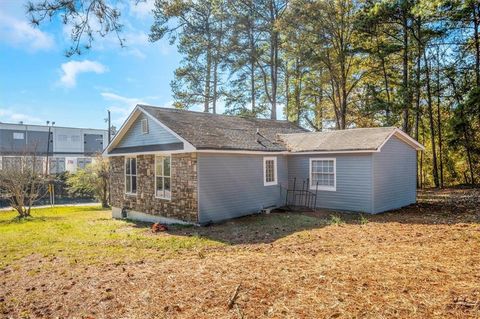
(270, 171)
(323, 174)
(163, 177)
(131, 175)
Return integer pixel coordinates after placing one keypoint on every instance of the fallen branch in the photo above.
(239, 312)
(233, 298)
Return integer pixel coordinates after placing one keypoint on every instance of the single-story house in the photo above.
(177, 166)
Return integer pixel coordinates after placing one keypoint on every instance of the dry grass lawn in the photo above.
(419, 262)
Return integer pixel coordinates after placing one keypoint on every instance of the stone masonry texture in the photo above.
(183, 204)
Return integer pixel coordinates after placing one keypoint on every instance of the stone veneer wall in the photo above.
(183, 204)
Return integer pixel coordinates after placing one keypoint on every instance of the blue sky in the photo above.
(38, 83)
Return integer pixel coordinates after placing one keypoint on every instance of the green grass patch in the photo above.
(87, 235)
(363, 220)
(336, 220)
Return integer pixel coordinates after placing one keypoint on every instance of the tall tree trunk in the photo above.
(105, 194)
(298, 90)
(405, 86)
(287, 92)
(387, 91)
(431, 121)
(439, 120)
(274, 37)
(318, 104)
(343, 112)
(206, 105)
(252, 57)
(218, 53)
(476, 14)
(422, 174)
(273, 74)
(215, 84)
(465, 131)
(417, 102)
(252, 86)
(418, 78)
(476, 22)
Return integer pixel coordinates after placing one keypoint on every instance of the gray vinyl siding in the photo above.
(156, 135)
(394, 176)
(230, 186)
(353, 181)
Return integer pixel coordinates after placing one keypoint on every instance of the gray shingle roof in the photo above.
(361, 139)
(224, 132)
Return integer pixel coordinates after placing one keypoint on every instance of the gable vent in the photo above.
(144, 126)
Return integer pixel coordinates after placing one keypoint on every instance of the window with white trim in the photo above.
(131, 175)
(163, 177)
(83, 162)
(323, 174)
(18, 136)
(270, 171)
(144, 124)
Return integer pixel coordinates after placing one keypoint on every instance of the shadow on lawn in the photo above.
(255, 229)
(18, 220)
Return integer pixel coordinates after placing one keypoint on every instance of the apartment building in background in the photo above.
(67, 148)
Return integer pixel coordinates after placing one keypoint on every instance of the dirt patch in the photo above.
(419, 262)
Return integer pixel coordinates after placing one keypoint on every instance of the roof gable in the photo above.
(214, 132)
(350, 140)
(156, 134)
(224, 132)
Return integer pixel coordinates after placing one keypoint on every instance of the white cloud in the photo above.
(19, 33)
(73, 68)
(122, 106)
(136, 37)
(135, 53)
(142, 9)
(122, 99)
(9, 115)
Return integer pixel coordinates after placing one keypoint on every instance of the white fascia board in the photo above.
(284, 152)
(405, 138)
(334, 152)
(123, 129)
(187, 146)
(148, 153)
(242, 152)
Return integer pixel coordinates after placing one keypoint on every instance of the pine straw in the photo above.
(420, 262)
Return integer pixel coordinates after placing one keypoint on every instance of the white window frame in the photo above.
(323, 187)
(155, 176)
(275, 181)
(125, 174)
(144, 126)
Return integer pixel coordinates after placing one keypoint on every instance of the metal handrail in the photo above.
(305, 198)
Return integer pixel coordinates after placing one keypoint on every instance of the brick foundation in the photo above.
(183, 204)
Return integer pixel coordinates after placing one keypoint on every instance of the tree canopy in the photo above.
(324, 64)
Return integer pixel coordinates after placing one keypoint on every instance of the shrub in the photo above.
(363, 220)
(336, 220)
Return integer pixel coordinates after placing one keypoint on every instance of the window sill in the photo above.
(131, 194)
(323, 188)
(270, 184)
(163, 198)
